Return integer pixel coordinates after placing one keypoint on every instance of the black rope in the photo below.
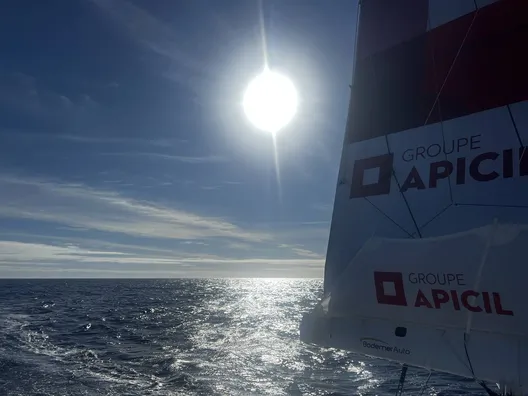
(481, 383)
(467, 355)
(424, 387)
(399, 391)
(487, 389)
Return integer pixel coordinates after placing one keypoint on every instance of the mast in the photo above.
(432, 191)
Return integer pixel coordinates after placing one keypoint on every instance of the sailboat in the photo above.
(426, 262)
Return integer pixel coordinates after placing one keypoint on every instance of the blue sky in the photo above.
(125, 152)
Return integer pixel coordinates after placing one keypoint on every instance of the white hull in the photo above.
(425, 347)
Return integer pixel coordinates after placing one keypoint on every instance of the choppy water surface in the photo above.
(179, 337)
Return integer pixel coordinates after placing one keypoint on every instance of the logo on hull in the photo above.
(380, 345)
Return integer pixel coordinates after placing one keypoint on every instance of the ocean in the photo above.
(181, 337)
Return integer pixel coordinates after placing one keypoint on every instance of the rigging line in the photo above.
(441, 118)
(435, 216)
(424, 387)
(452, 66)
(481, 383)
(516, 128)
(454, 352)
(347, 138)
(492, 205)
(468, 358)
(388, 217)
(358, 9)
(402, 193)
(399, 391)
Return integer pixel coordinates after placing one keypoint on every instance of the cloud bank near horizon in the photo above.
(158, 240)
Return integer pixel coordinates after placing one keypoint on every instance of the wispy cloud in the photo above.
(239, 246)
(90, 139)
(159, 38)
(149, 30)
(194, 243)
(84, 243)
(301, 251)
(210, 188)
(85, 207)
(208, 246)
(168, 157)
(18, 259)
(23, 252)
(307, 253)
(22, 93)
(323, 207)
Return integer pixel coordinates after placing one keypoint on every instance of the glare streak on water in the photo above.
(180, 337)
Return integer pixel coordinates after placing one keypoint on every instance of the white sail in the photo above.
(420, 306)
(433, 155)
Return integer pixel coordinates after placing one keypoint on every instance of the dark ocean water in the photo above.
(180, 337)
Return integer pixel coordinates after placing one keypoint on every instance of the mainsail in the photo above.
(425, 263)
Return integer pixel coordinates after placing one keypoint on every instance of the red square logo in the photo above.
(383, 164)
(389, 288)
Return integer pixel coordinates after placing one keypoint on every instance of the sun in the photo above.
(270, 101)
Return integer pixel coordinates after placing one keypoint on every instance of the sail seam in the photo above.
(388, 217)
(435, 216)
(393, 174)
(402, 193)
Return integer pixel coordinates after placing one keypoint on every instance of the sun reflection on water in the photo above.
(249, 334)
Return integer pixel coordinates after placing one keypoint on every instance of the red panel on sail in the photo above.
(492, 67)
(395, 89)
(386, 23)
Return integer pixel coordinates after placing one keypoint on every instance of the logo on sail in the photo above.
(432, 293)
(483, 167)
(389, 288)
(383, 165)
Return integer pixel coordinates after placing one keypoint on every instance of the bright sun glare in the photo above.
(270, 101)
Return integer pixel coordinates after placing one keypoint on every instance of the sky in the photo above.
(124, 150)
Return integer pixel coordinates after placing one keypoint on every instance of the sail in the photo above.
(433, 155)
(416, 307)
